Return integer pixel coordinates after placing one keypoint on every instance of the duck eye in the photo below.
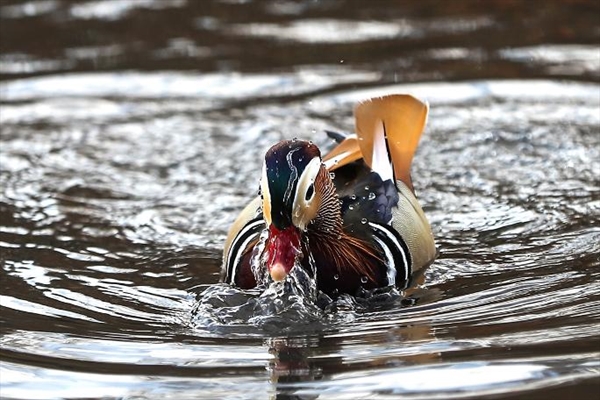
(310, 192)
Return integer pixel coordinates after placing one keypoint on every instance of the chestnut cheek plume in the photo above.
(283, 246)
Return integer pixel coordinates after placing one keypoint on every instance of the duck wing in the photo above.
(372, 175)
(388, 130)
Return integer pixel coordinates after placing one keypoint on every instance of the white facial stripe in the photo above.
(300, 203)
(293, 175)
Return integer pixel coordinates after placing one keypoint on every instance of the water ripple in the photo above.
(111, 237)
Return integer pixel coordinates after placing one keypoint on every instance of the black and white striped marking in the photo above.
(247, 234)
(398, 259)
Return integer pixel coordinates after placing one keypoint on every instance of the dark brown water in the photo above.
(132, 133)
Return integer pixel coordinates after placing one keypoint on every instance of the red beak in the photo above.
(283, 246)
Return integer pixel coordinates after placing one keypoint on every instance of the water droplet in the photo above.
(310, 143)
(364, 279)
(339, 236)
(367, 187)
(363, 221)
(341, 61)
(294, 139)
(353, 197)
(371, 196)
(332, 175)
(351, 207)
(336, 277)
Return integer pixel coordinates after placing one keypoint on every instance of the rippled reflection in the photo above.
(123, 256)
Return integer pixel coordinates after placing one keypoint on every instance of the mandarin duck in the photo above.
(351, 214)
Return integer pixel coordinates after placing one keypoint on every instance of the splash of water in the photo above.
(271, 306)
(291, 306)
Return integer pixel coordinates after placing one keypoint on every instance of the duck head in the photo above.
(293, 184)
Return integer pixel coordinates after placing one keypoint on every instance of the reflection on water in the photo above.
(127, 152)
